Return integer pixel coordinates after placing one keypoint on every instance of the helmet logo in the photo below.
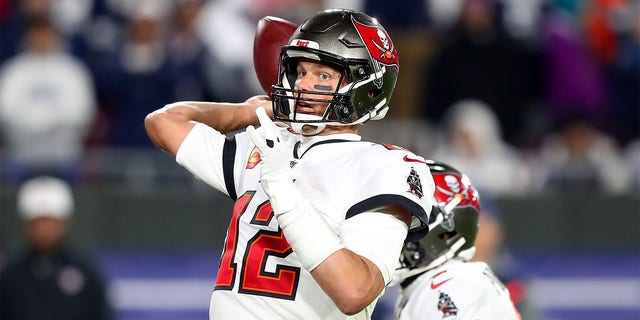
(386, 44)
(452, 183)
(385, 40)
(378, 43)
(304, 43)
(415, 186)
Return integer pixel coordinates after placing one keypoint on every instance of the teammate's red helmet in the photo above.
(453, 223)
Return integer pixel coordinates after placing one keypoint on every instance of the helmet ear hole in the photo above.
(413, 254)
(361, 73)
(447, 235)
(374, 93)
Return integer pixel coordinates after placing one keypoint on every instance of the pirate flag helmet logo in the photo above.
(378, 43)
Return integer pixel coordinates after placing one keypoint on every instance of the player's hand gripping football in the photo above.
(275, 172)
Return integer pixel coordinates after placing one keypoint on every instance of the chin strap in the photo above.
(307, 129)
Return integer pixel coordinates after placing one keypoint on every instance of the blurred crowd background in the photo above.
(528, 97)
(523, 96)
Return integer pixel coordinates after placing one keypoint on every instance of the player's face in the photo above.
(45, 234)
(314, 76)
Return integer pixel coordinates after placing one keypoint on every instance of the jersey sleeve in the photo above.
(383, 178)
(376, 236)
(211, 157)
(399, 178)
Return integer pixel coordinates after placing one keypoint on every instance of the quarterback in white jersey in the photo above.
(436, 280)
(320, 217)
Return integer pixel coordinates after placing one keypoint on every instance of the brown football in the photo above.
(271, 34)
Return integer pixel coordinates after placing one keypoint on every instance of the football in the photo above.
(271, 34)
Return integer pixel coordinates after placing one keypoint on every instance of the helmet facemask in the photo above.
(286, 99)
(341, 110)
(351, 42)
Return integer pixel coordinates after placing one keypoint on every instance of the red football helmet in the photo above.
(453, 224)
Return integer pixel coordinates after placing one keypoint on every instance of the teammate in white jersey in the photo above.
(436, 280)
(343, 207)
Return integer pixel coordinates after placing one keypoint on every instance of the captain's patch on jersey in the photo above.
(254, 158)
(446, 306)
(415, 186)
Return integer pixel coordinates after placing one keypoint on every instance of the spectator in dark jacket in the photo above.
(48, 280)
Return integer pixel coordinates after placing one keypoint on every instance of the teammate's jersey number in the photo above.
(254, 278)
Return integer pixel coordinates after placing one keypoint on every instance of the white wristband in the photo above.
(310, 236)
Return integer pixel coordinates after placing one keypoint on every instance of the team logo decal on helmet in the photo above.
(454, 186)
(415, 186)
(379, 43)
(446, 306)
(452, 183)
(355, 44)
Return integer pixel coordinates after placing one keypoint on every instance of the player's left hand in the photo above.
(275, 171)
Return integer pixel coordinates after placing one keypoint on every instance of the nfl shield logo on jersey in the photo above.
(446, 306)
(254, 158)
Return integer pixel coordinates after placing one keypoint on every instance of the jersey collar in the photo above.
(305, 143)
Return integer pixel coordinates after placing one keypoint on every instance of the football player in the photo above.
(320, 216)
(435, 278)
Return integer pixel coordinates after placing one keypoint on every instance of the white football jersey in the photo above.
(260, 276)
(456, 290)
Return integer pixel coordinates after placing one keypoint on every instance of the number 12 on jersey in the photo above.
(254, 278)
